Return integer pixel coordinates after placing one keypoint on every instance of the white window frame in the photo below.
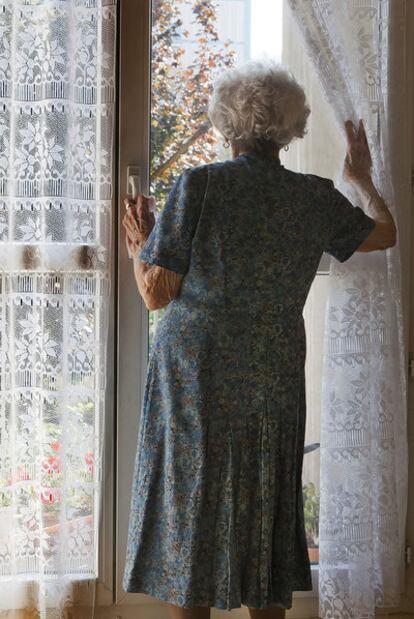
(132, 333)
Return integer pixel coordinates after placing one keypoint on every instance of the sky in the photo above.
(266, 28)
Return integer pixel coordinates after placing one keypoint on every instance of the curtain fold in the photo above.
(364, 453)
(57, 93)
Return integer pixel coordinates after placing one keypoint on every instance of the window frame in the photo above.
(132, 315)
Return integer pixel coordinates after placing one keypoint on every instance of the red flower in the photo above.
(89, 460)
(21, 474)
(50, 495)
(52, 465)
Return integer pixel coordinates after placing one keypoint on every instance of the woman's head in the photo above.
(258, 106)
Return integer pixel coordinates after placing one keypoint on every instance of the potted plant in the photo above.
(311, 514)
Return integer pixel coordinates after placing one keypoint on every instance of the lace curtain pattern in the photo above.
(364, 454)
(56, 133)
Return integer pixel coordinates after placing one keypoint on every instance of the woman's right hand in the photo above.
(144, 216)
(357, 164)
(138, 223)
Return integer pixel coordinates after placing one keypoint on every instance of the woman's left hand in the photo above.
(358, 162)
(138, 222)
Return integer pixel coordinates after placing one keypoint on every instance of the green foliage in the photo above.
(154, 318)
(311, 512)
(181, 134)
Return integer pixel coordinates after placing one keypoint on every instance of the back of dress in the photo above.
(248, 235)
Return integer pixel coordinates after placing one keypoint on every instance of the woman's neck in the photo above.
(237, 150)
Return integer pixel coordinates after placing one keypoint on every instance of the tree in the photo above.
(181, 134)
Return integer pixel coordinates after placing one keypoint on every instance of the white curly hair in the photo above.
(258, 106)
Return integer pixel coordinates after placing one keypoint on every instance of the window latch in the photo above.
(133, 187)
(411, 365)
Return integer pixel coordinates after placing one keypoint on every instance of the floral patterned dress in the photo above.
(216, 514)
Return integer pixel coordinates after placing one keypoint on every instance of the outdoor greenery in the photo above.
(311, 511)
(181, 134)
(52, 475)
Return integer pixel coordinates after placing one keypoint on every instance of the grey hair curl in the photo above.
(258, 105)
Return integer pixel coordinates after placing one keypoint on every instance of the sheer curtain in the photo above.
(56, 132)
(364, 455)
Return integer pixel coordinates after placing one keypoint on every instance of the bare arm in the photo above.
(357, 171)
(385, 233)
(157, 285)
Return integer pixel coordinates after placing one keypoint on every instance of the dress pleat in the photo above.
(231, 500)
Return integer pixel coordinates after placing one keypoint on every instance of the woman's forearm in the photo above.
(140, 270)
(385, 232)
(357, 171)
(373, 203)
(157, 286)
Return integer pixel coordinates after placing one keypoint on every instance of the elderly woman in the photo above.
(216, 513)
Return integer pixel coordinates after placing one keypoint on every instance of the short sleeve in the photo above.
(347, 226)
(169, 243)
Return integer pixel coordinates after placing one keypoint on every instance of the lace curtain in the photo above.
(364, 455)
(56, 132)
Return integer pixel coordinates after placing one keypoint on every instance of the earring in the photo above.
(286, 148)
(226, 144)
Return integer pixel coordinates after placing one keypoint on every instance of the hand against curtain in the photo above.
(357, 172)
(357, 164)
(138, 222)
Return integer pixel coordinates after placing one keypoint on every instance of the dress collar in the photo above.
(251, 154)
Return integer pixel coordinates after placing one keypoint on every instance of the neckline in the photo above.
(251, 154)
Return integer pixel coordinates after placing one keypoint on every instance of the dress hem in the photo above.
(153, 592)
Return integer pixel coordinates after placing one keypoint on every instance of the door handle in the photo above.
(133, 188)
